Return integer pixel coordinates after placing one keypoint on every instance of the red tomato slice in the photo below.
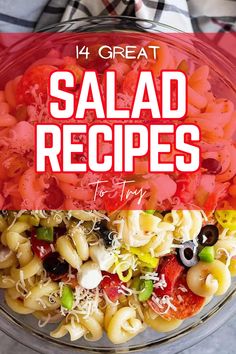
(172, 269)
(40, 248)
(186, 303)
(37, 77)
(111, 285)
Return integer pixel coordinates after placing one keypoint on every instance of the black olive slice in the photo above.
(54, 265)
(212, 166)
(104, 233)
(188, 254)
(208, 235)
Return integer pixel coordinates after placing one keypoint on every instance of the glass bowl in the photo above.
(24, 328)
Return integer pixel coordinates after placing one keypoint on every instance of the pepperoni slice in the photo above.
(171, 269)
(36, 78)
(184, 302)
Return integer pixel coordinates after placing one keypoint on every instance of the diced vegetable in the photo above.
(150, 211)
(31, 219)
(111, 285)
(40, 248)
(146, 287)
(125, 278)
(145, 257)
(45, 234)
(207, 254)
(226, 218)
(136, 283)
(54, 195)
(67, 297)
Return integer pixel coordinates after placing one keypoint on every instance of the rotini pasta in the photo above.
(85, 270)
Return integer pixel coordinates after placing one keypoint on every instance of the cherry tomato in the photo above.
(40, 248)
(185, 302)
(111, 285)
(171, 269)
(36, 77)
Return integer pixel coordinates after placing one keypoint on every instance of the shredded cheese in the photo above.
(164, 303)
(45, 322)
(183, 289)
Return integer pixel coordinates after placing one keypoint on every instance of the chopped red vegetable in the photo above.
(40, 248)
(111, 285)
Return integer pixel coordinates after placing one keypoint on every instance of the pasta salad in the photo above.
(89, 269)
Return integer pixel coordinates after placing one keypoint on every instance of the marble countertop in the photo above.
(210, 345)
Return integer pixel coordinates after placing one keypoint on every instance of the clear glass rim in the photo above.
(94, 19)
